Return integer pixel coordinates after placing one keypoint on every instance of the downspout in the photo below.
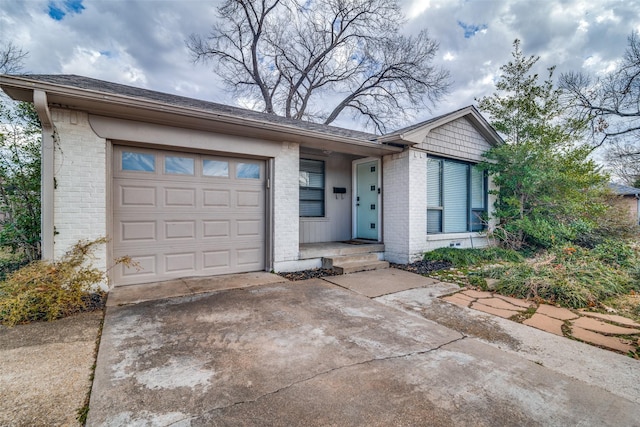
(47, 185)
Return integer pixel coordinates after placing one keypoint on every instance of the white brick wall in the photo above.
(285, 205)
(80, 175)
(417, 204)
(395, 193)
(405, 201)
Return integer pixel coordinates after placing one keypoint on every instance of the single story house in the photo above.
(193, 188)
(629, 199)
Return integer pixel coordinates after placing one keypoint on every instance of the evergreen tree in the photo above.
(549, 189)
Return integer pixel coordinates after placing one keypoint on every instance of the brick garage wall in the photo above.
(80, 204)
(286, 206)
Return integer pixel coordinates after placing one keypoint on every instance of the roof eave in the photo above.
(127, 107)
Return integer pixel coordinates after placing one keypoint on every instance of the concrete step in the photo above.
(329, 249)
(330, 261)
(355, 266)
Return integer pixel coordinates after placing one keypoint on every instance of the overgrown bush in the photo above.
(11, 263)
(467, 257)
(572, 276)
(45, 290)
(614, 224)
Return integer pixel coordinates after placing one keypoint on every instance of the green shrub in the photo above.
(45, 290)
(467, 257)
(571, 276)
(615, 251)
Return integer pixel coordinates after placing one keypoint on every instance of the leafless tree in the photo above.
(316, 60)
(610, 103)
(623, 161)
(11, 58)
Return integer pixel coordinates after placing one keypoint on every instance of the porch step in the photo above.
(332, 261)
(355, 266)
(331, 249)
(353, 263)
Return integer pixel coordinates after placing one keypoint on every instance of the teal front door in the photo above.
(367, 200)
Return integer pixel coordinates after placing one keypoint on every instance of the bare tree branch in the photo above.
(611, 103)
(315, 60)
(11, 58)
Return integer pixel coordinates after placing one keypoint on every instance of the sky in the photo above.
(142, 42)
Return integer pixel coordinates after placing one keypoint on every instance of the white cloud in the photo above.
(607, 15)
(596, 65)
(107, 66)
(417, 7)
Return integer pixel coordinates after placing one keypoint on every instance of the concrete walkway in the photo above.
(45, 373)
(337, 352)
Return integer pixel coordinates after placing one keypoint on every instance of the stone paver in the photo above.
(611, 317)
(515, 301)
(458, 299)
(585, 326)
(500, 303)
(556, 312)
(602, 327)
(477, 294)
(495, 311)
(600, 340)
(545, 323)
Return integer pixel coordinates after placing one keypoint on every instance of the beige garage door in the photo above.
(182, 214)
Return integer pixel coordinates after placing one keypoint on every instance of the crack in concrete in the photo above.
(182, 420)
(329, 371)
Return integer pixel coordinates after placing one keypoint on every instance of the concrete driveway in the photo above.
(317, 353)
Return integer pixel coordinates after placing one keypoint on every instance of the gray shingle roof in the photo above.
(624, 190)
(101, 86)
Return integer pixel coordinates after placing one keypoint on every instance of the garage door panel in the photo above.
(180, 230)
(180, 262)
(146, 267)
(249, 256)
(219, 229)
(137, 196)
(248, 198)
(249, 228)
(216, 198)
(216, 259)
(211, 222)
(138, 231)
(183, 197)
